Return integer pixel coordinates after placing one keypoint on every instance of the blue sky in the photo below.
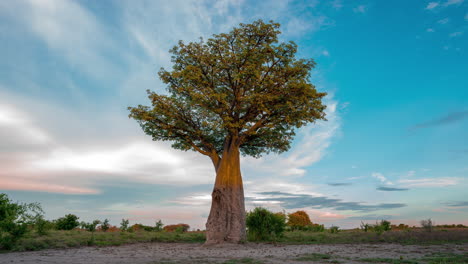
(394, 146)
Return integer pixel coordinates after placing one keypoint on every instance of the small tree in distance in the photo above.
(299, 220)
(240, 92)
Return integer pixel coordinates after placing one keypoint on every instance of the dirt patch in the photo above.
(246, 253)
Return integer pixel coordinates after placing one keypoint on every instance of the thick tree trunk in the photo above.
(226, 222)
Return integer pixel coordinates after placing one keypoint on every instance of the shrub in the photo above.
(68, 222)
(315, 228)
(265, 225)
(91, 227)
(178, 227)
(299, 220)
(428, 225)
(334, 229)
(158, 226)
(124, 224)
(42, 226)
(105, 225)
(14, 220)
(365, 226)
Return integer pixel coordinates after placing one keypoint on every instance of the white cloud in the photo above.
(430, 182)
(430, 30)
(326, 53)
(432, 5)
(453, 2)
(379, 176)
(337, 4)
(360, 9)
(443, 21)
(456, 34)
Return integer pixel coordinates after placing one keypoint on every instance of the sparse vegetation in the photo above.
(313, 257)
(428, 225)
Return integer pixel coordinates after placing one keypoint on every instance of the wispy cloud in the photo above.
(432, 5)
(360, 9)
(340, 184)
(443, 21)
(391, 189)
(379, 176)
(291, 201)
(430, 30)
(337, 4)
(458, 204)
(456, 34)
(453, 2)
(371, 217)
(430, 182)
(448, 119)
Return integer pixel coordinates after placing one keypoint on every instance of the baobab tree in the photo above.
(237, 93)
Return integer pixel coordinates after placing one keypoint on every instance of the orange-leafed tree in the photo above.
(298, 220)
(237, 93)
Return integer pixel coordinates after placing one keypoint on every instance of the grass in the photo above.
(443, 258)
(418, 237)
(313, 257)
(388, 260)
(243, 261)
(78, 238)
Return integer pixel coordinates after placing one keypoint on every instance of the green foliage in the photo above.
(42, 226)
(264, 225)
(243, 86)
(334, 229)
(158, 226)
(91, 227)
(124, 224)
(68, 222)
(14, 220)
(315, 228)
(379, 227)
(365, 226)
(105, 225)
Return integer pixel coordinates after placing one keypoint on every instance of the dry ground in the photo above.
(246, 253)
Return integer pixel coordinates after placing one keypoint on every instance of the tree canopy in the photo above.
(243, 86)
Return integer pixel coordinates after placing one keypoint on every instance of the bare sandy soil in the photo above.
(197, 253)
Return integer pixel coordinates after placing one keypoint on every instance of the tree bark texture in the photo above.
(226, 222)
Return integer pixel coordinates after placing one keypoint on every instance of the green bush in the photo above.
(68, 222)
(105, 225)
(14, 220)
(42, 226)
(314, 228)
(124, 225)
(91, 227)
(159, 226)
(334, 229)
(264, 225)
